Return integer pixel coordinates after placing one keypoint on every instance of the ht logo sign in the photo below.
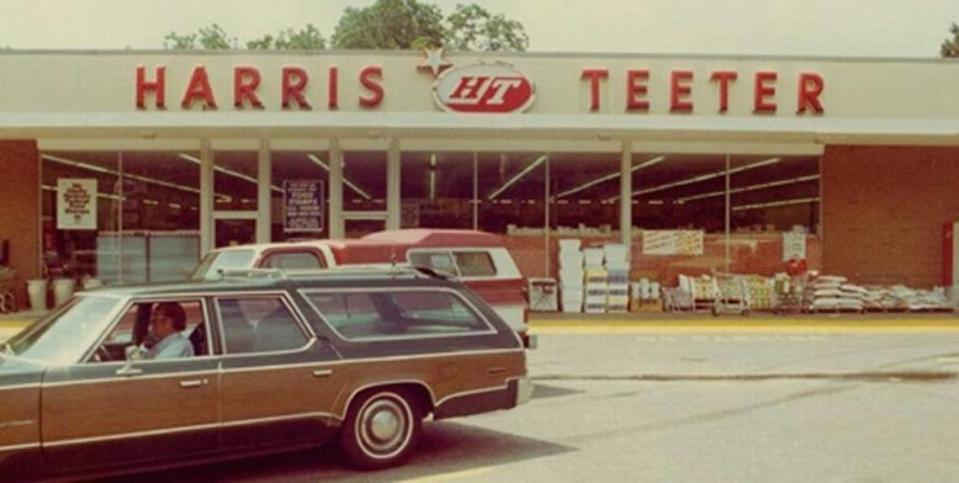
(483, 88)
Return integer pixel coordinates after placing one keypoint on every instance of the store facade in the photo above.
(126, 166)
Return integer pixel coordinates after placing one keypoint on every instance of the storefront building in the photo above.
(126, 166)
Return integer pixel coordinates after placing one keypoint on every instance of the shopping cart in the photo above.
(789, 295)
(677, 299)
(8, 302)
(731, 294)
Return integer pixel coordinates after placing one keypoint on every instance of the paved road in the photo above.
(693, 405)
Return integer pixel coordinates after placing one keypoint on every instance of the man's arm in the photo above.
(176, 349)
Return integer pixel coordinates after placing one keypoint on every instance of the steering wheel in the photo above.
(102, 354)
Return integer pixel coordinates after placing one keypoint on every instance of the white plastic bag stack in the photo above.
(571, 287)
(596, 280)
(616, 261)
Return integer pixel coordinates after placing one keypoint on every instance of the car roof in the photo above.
(271, 279)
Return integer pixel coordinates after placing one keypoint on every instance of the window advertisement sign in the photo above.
(303, 205)
(672, 242)
(76, 204)
(794, 245)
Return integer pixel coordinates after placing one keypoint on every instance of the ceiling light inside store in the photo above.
(319, 162)
(516, 177)
(755, 187)
(100, 169)
(108, 196)
(228, 172)
(772, 204)
(703, 177)
(611, 176)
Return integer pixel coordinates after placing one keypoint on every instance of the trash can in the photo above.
(62, 290)
(37, 291)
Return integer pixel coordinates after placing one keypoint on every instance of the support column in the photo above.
(393, 185)
(207, 234)
(729, 210)
(337, 228)
(475, 190)
(626, 196)
(264, 194)
(546, 223)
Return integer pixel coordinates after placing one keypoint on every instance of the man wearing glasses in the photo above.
(167, 324)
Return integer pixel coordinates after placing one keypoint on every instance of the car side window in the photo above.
(259, 324)
(294, 260)
(392, 313)
(157, 329)
(441, 261)
(475, 264)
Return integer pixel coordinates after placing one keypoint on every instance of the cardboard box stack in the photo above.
(616, 261)
(572, 292)
(596, 280)
(645, 296)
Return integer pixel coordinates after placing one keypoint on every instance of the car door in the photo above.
(278, 380)
(101, 413)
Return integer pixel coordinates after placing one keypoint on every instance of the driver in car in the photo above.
(167, 324)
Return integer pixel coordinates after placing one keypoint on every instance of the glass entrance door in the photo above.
(230, 232)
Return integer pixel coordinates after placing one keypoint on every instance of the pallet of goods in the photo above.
(571, 276)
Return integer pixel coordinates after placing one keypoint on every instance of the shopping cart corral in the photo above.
(731, 294)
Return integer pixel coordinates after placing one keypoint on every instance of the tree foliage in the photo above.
(212, 37)
(307, 38)
(950, 47)
(472, 27)
(390, 24)
(386, 24)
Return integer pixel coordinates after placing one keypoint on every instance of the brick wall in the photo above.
(20, 208)
(884, 209)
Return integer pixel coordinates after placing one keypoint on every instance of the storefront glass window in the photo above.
(585, 193)
(147, 217)
(310, 167)
(437, 190)
(364, 190)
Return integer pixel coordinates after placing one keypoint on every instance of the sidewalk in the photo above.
(684, 321)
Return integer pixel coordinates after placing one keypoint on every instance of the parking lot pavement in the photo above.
(554, 323)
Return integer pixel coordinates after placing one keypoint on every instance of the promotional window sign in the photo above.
(303, 205)
(794, 246)
(672, 242)
(76, 204)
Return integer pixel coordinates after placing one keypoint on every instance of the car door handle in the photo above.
(192, 383)
(496, 370)
(320, 373)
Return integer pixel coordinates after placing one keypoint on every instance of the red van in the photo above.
(478, 259)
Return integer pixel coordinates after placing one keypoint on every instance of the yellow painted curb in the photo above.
(690, 329)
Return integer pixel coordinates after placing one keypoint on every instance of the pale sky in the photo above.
(844, 28)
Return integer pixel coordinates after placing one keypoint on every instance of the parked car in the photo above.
(478, 259)
(263, 364)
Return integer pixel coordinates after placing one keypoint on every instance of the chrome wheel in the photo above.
(380, 429)
(384, 426)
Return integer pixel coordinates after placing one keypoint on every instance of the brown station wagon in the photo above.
(251, 365)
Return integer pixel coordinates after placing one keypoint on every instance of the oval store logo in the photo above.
(483, 88)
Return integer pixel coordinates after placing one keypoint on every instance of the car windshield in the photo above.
(64, 335)
(213, 262)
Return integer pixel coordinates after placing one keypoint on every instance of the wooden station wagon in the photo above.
(256, 364)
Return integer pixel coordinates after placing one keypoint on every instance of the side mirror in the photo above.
(133, 353)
